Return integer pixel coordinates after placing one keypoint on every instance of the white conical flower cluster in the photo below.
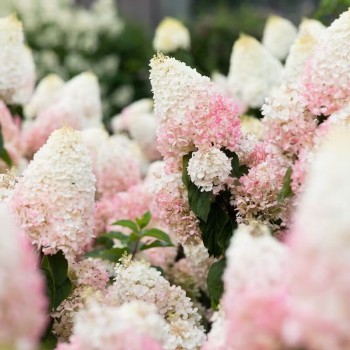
(279, 34)
(253, 71)
(54, 200)
(136, 280)
(176, 87)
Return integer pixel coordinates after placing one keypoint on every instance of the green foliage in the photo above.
(214, 32)
(130, 243)
(3, 153)
(328, 10)
(58, 284)
(286, 190)
(215, 283)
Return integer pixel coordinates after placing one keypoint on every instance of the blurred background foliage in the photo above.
(117, 46)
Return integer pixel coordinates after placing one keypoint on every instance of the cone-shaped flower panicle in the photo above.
(279, 35)
(54, 200)
(309, 35)
(253, 302)
(77, 105)
(320, 284)
(327, 78)
(131, 326)
(44, 94)
(253, 71)
(22, 294)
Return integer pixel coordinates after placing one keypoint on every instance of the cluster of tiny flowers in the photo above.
(140, 122)
(326, 79)
(173, 208)
(253, 302)
(319, 311)
(171, 35)
(17, 68)
(279, 35)
(22, 317)
(77, 104)
(209, 169)
(254, 72)
(90, 279)
(131, 326)
(136, 280)
(288, 124)
(54, 199)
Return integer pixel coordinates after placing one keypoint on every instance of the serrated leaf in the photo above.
(127, 223)
(215, 283)
(144, 220)
(154, 244)
(211, 230)
(286, 190)
(156, 233)
(62, 292)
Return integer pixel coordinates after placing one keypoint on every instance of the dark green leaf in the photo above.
(113, 254)
(50, 287)
(3, 152)
(154, 244)
(156, 233)
(57, 265)
(237, 169)
(286, 190)
(127, 223)
(94, 253)
(212, 229)
(104, 241)
(49, 342)
(225, 235)
(199, 201)
(144, 221)
(215, 283)
(62, 292)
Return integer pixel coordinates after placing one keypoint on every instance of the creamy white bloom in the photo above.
(44, 94)
(136, 280)
(209, 168)
(253, 71)
(12, 65)
(279, 35)
(176, 87)
(309, 35)
(171, 35)
(26, 88)
(54, 200)
(252, 125)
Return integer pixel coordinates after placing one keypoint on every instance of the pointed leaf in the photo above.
(156, 233)
(127, 223)
(62, 292)
(155, 244)
(215, 283)
(286, 190)
(144, 220)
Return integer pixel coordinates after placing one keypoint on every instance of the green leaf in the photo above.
(94, 253)
(103, 241)
(199, 201)
(62, 292)
(286, 190)
(49, 342)
(3, 152)
(212, 229)
(237, 169)
(144, 220)
(127, 223)
(57, 265)
(225, 236)
(116, 235)
(113, 254)
(215, 283)
(156, 233)
(154, 244)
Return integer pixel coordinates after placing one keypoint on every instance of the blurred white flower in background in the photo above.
(171, 35)
(279, 35)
